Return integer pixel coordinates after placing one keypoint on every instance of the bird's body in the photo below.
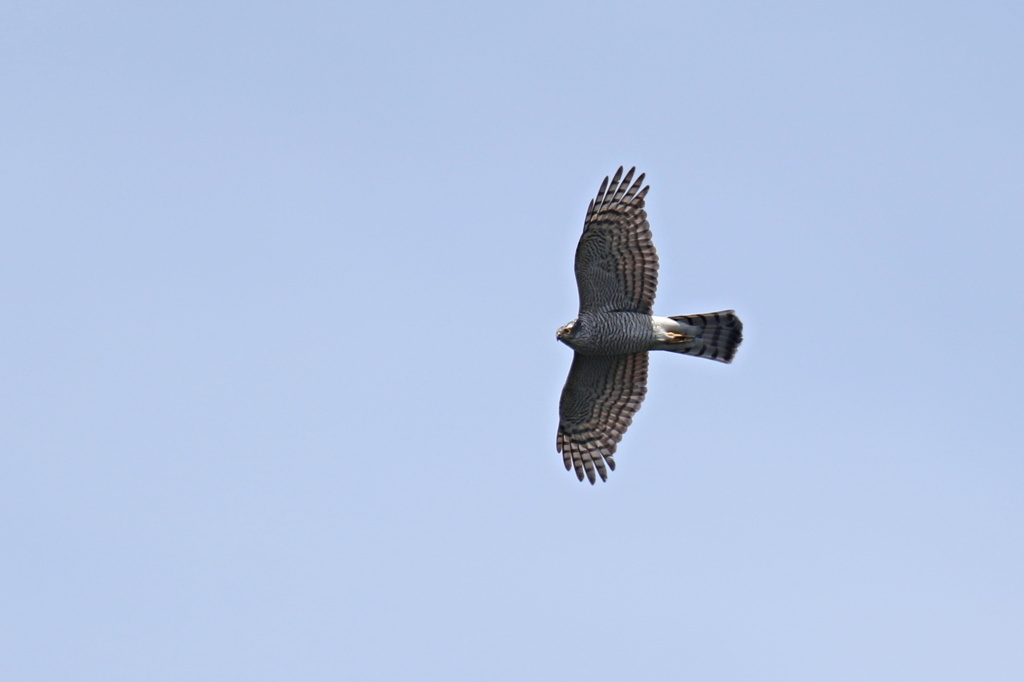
(617, 274)
(609, 333)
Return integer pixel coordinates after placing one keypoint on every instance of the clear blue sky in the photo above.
(279, 285)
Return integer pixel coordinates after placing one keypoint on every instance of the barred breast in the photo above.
(612, 333)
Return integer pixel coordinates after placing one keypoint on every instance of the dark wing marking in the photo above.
(600, 397)
(616, 263)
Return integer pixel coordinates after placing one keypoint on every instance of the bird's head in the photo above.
(566, 331)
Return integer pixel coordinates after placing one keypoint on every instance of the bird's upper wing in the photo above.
(600, 397)
(616, 263)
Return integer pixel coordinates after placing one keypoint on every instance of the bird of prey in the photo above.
(616, 274)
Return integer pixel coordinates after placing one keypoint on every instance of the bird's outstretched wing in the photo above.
(600, 397)
(616, 263)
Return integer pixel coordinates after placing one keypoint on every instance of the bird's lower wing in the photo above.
(600, 397)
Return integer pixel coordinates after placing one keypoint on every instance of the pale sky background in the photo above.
(280, 283)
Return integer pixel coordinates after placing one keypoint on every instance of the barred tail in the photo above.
(712, 335)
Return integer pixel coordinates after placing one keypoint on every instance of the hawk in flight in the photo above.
(616, 274)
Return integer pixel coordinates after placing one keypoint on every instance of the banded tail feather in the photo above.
(715, 336)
